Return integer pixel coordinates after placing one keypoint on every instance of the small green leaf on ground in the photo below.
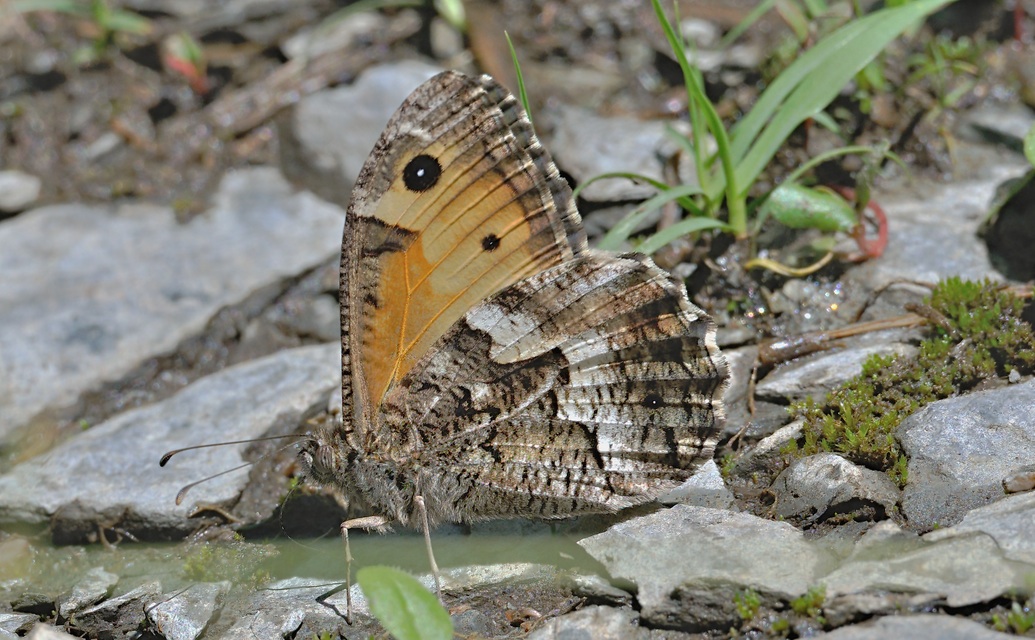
(407, 610)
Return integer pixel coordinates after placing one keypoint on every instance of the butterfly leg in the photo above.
(419, 501)
(369, 522)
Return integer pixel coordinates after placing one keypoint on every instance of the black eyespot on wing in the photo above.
(421, 173)
(490, 242)
(652, 401)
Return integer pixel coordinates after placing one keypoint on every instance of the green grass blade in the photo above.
(676, 231)
(522, 93)
(813, 81)
(618, 234)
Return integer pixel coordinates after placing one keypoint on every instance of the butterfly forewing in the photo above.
(459, 201)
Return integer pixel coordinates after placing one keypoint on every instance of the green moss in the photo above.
(976, 334)
(811, 603)
(747, 604)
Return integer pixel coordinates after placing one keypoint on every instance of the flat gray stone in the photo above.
(91, 589)
(1010, 522)
(815, 374)
(961, 449)
(933, 228)
(185, 614)
(630, 145)
(330, 133)
(599, 623)
(89, 293)
(109, 473)
(674, 552)
(963, 571)
(813, 487)
(918, 627)
(47, 632)
(14, 622)
(705, 488)
(18, 190)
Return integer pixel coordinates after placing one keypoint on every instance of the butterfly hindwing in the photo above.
(588, 387)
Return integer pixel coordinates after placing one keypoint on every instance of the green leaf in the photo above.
(1029, 146)
(800, 207)
(407, 610)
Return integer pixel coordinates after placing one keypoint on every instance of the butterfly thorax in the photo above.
(383, 480)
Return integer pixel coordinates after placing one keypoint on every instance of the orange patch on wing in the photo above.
(447, 270)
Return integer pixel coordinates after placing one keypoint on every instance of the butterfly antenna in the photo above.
(183, 492)
(170, 454)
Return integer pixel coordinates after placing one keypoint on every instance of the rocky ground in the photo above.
(135, 323)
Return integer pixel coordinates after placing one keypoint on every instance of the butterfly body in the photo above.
(493, 365)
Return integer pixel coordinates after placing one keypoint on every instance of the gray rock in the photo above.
(596, 622)
(741, 362)
(685, 550)
(963, 571)
(1010, 522)
(18, 190)
(934, 229)
(109, 473)
(961, 449)
(918, 627)
(767, 452)
(332, 35)
(999, 123)
(87, 294)
(845, 609)
(47, 632)
(117, 616)
(705, 488)
(596, 590)
(815, 374)
(94, 586)
(330, 133)
(818, 486)
(630, 145)
(185, 614)
(16, 622)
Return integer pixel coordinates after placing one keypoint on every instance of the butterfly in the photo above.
(493, 365)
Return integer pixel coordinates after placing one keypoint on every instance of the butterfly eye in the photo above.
(653, 401)
(421, 173)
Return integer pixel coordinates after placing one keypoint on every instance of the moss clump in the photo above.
(976, 334)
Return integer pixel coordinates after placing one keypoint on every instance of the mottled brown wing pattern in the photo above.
(457, 201)
(492, 364)
(589, 387)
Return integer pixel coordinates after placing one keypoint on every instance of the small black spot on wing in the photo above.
(490, 242)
